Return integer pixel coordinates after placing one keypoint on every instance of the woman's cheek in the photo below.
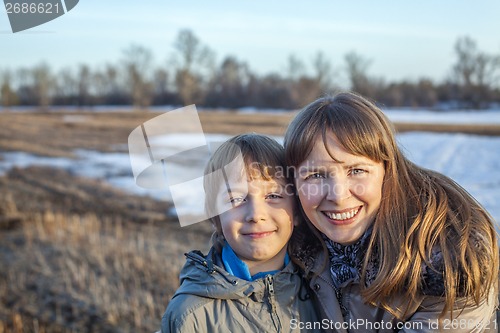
(310, 192)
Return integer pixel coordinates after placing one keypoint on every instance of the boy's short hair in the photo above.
(262, 157)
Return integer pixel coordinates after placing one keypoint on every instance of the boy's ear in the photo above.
(216, 226)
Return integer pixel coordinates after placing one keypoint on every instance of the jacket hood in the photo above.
(205, 277)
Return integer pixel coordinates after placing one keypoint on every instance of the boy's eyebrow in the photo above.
(275, 187)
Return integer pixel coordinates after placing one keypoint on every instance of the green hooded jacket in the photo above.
(211, 300)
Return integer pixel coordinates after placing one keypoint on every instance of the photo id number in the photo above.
(31, 8)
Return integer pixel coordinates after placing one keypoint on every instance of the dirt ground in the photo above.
(59, 133)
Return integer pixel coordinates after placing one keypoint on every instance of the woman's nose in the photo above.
(337, 189)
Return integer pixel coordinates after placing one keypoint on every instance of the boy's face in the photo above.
(260, 223)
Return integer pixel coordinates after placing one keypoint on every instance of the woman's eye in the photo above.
(357, 171)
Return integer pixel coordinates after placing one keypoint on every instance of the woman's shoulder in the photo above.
(433, 269)
(433, 282)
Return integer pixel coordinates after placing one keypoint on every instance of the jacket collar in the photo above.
(235, 266)
(205, 276)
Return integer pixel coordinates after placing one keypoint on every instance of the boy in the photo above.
(247, 282)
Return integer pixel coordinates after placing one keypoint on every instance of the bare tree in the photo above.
(474, 72)
(137, 67)
(426, 93)
(84, 85)
(115, 89)
(357, 67)
(195, 61)
(162, 87)
(295, 67)
(8, 96)
(229, 86)
(273, 92)
(107, 87)
(296, 75)
(40, 85)
(322, 71)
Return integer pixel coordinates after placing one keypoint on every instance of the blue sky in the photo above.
(403, 39)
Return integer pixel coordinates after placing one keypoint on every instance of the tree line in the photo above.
(194, 76)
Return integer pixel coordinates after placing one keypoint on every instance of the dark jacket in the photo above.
(422, 314)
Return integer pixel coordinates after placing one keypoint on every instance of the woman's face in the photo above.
(340, 196)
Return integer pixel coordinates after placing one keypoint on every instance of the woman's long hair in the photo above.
(420, 210)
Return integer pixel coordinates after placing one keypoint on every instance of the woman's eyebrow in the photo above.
(322, 168)
(358, 164)
(311, 168)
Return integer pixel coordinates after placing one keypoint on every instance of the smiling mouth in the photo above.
(259, 234)
(344, 216)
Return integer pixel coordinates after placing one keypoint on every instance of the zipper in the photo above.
(343, 308)
(271, 301)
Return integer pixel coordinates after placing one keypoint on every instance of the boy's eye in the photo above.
(235, 201)
(315, 175)
(274, 196)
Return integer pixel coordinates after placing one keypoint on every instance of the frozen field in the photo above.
(445, 117)
(472, 161)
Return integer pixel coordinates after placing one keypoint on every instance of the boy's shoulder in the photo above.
(181, 312)
(182, 305)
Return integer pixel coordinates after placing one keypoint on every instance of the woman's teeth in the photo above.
(342, 216)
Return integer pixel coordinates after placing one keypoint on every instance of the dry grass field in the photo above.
(79, 256)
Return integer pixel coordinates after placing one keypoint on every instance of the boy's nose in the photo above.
(256, 211)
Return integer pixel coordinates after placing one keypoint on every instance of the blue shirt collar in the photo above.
(236, 267)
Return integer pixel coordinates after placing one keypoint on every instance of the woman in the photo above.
(388, 245)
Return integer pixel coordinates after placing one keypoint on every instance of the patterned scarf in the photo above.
(346, 262)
